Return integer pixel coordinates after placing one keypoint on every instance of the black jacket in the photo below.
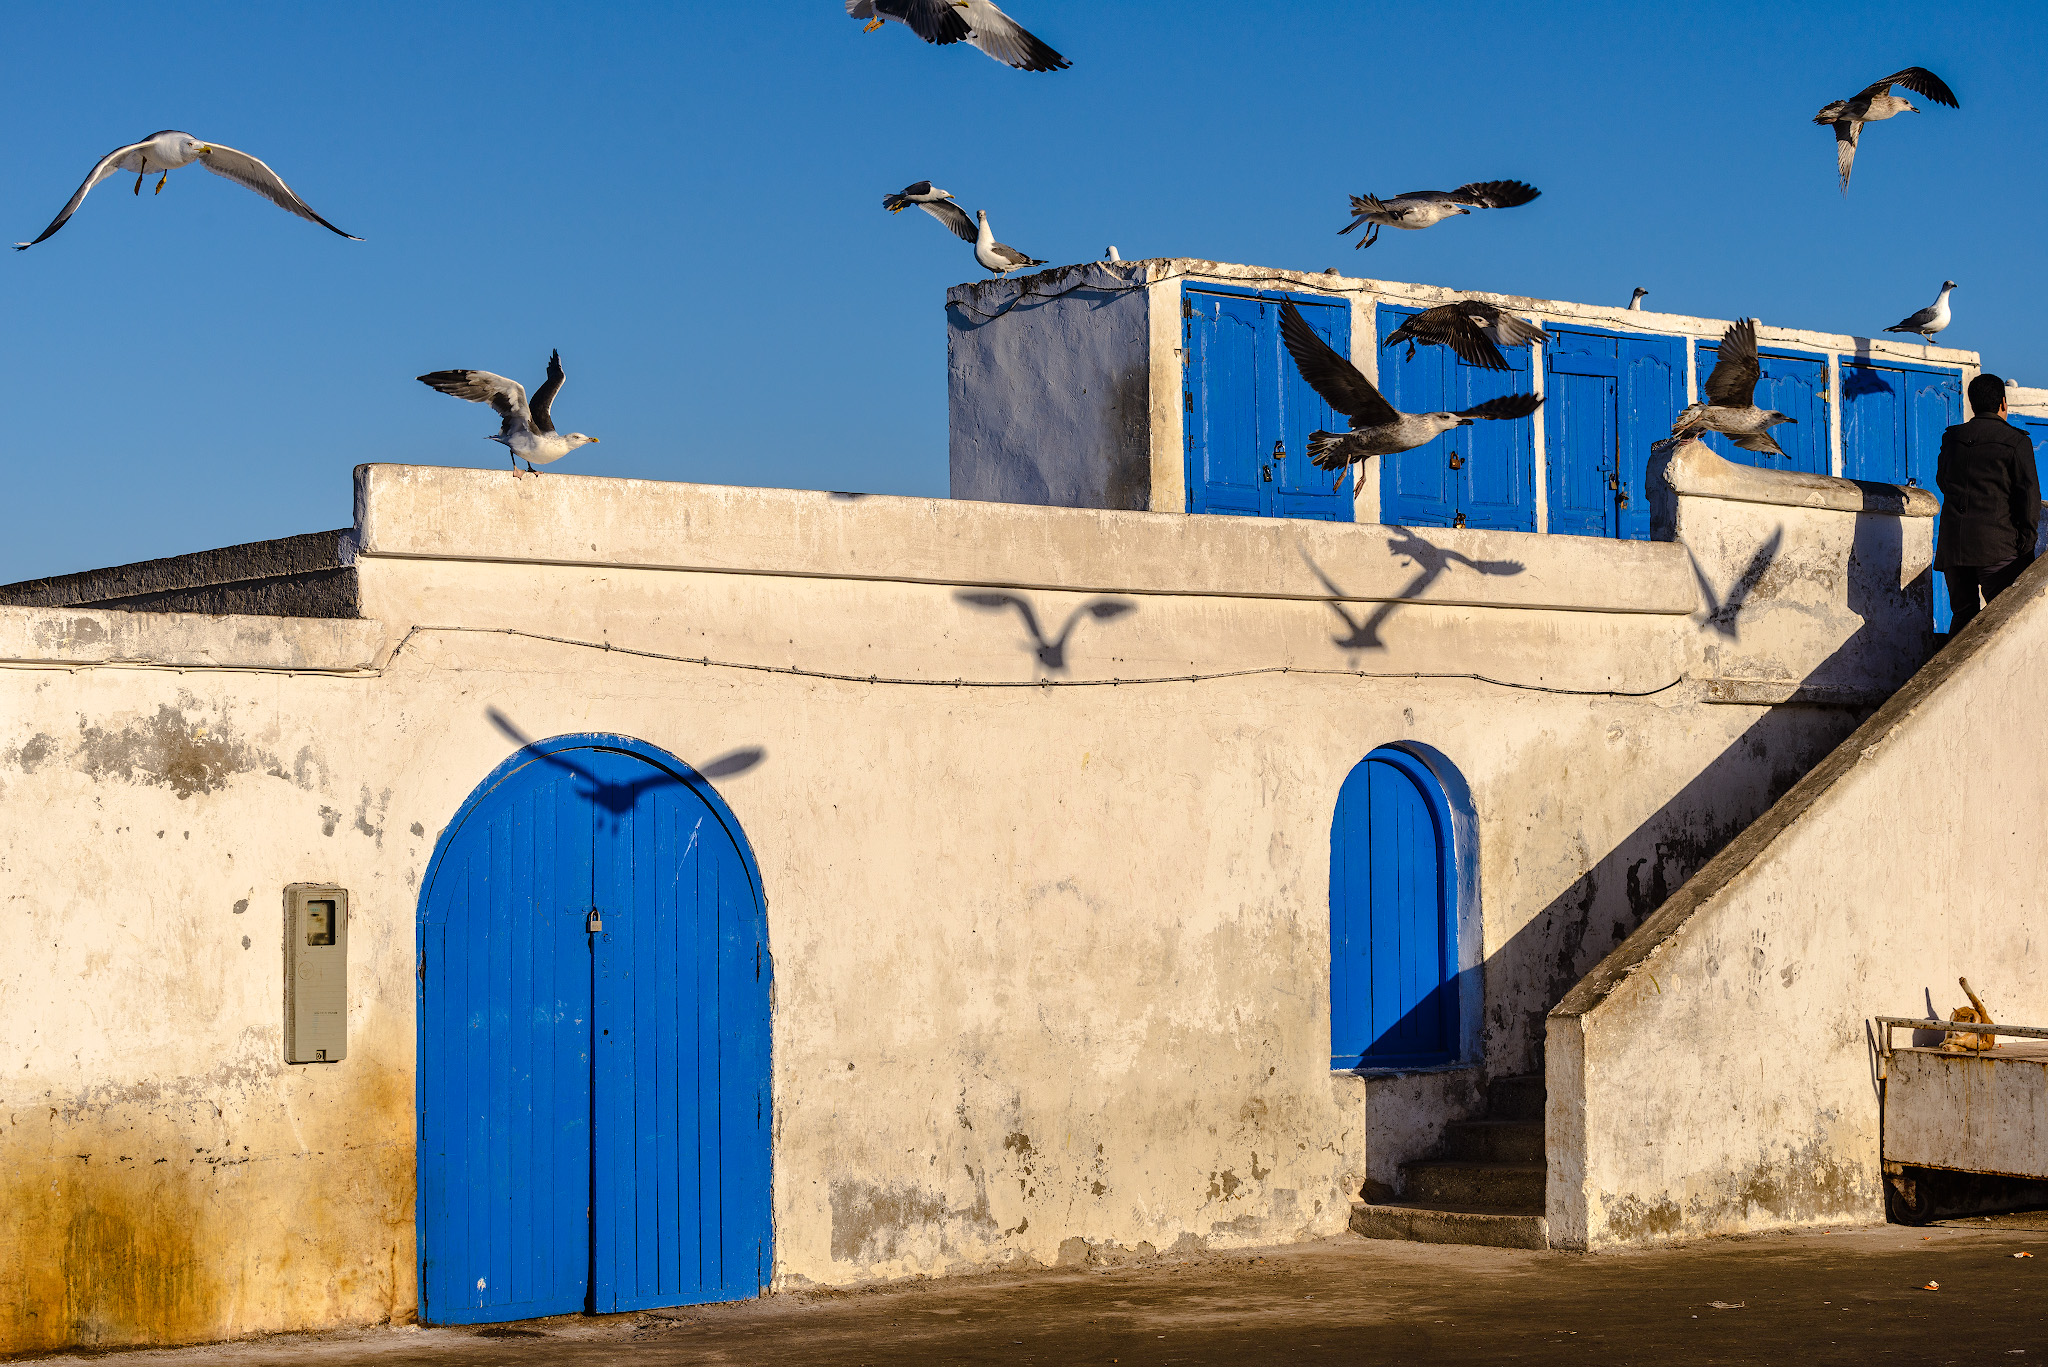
(1990, 495)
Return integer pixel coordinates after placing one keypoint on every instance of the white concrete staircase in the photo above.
(1486, 1186)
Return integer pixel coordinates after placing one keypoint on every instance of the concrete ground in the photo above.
(1849, 1296)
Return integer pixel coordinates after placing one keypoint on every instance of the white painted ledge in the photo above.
(182, 640)
(1694, 471)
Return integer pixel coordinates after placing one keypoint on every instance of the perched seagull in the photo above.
(1111, 255)
(1377, 428)
(170, 150)
(994, 255)
(1425, 208)
(1635, 302)
(1731, 391)
(948, 21)
(528, 429)
(1876, 102)
(1929, 320)
(934, 201)
(1473, 328)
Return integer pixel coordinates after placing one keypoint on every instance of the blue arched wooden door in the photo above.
(1393, 918)
(593, 1084)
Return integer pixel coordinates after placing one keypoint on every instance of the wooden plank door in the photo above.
(1393, 936)
(1298, 488)
(1892, 420)
(1581, 434)
(504, 1056)
(1478, 476)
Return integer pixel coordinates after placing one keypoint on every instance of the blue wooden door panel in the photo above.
(1934, 402)
(1652, 396)
(1581, 406)
(1795, 385)
(1248, 411)
(504, 1064)
(611, 1087)
(1892, 420)
(1393, 939)
(1478, 476)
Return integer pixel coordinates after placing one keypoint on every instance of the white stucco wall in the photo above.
(1716, 1073)
(1048, 904)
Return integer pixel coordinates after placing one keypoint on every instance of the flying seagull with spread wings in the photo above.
(1731, 397)
(1876, 102)
(1377, 428)
(948, 21)
(1426, 208)
(528, 429)
(1473, 328)
(936, 202)
(1929, 320)
(170, 150)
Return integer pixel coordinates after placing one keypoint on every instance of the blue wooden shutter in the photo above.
(1795, 385)
(1393, 918)
(1496, 485)
(1299, 489)
(1581, 411)
(1652, 395)
(1417, 488)
(1892, 420)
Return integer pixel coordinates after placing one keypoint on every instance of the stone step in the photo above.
(1515, 1188)
(1515, 1098)
(1494, 1141)
(1447, 1225)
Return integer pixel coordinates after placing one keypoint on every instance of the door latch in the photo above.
(1266, 473)
(1458, 521)
(1457, 462)
(593, 922)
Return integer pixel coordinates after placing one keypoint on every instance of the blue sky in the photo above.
(686, 200)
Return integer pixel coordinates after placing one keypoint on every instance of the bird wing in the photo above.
(1342, 385)
(1449, 325)
(544, 397)
(1757, 441)
(1917, 79)
(100, 172)
(1004, 39)
(1736, 369)
(1506, 406)
(1494, 194)
(1009, 253)
(935, 21)
(250, 173)
(508, 397)
(952, 215)
(1914, 322)
(1517, 331)
(1846, 133)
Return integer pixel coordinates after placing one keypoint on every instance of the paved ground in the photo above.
(1852, 1296)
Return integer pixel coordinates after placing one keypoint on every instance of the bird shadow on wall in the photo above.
(1051, 652)
(618, 798)
(1430, 559)
(1722, 612)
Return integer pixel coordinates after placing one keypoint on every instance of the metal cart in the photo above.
(1982, 1112)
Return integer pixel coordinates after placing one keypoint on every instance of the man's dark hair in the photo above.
(1986, 393)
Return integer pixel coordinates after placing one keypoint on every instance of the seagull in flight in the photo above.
(948, 21)
(1929, 320)
(528, 429)
(1731, 397)
(1377, 427)
(1426, 208)
(170, 150)
(1473, 328)
(1876, 102)
(1635, 301)
(996, 256)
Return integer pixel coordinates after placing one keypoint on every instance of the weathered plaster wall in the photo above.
(1047, 891)
(1050, 395)
(1715, 1074)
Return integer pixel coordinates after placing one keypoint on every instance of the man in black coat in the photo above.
(1990, 503)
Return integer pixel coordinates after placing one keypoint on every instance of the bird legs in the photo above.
(1369, 236)
(160, 183)
(872, 26)
(143, 175)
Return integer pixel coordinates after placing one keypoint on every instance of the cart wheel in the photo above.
(1907, 1199)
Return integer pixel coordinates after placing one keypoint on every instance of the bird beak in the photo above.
(593, 441)
(204, 148)
(1464, 422)
(872, 26)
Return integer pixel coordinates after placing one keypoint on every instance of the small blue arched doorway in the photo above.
(593, 1086)
(1393, 918)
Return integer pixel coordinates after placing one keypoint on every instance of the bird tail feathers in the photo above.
(1322, 449)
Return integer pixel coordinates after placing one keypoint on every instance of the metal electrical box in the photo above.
(315, 973)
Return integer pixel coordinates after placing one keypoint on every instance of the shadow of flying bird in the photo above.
(618, 798)
(1721, 613)
(1051, 653)
(1431, 561)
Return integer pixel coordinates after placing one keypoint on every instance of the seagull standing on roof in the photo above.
(948, 21)
(528, 429)
(170, 150)
(1929, 320)
(1473, 328)
(1731, 397)
(1876, 102)
(1635, 301)
(996, 256)
(1426, 208)
(1377, 427)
